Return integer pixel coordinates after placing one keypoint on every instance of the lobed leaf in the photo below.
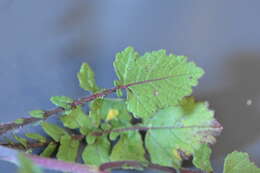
(186, 132)
(162, 80)
(238, 162)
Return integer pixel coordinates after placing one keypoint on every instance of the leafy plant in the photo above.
(155, 123)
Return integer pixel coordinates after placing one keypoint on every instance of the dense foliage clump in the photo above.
(154, 122)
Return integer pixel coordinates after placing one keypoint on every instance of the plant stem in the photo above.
(12, 125)
(217, 126)
(18, 146)
(11, 155)
(136, 164)
(59, 165)
(32, 145)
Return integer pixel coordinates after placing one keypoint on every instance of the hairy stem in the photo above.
(143, 128)
(19, 146)
(100, 133)
(32, 145)
(12, 125)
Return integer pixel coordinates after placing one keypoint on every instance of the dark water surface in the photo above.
(43, 43)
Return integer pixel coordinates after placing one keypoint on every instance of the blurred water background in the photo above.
(43, 43)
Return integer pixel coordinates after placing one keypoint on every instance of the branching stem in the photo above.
(10, 155)
(12, 125)
(143, 128)
(100, 133)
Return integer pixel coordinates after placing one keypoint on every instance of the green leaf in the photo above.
(26, 165)
(113, 136)
(129, 147)
(19, 121)
(86, 78)
(182, 130)
(76, 118)
(21, 140)
(202, 158)
(37, 113)
(54, 131)
(36, 137)
(68, 149)
(106, 126)
(163, 79)
(98, 152)
(94, 113)
(112, 112)
(238, 162)
(91, 139)
(62, 101)
(49, 150)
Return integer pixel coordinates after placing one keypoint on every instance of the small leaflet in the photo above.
(90, 139)
(68, 149)
(49, 150)
(76, 118)
(21, 140)
(53, 131)
(19, 121)
(97, 152)
(62, 101)
(36, 136)
(86, 78)
(37, 113)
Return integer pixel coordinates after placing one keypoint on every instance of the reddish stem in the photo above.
(11, 155)
(136, 164)
(12, 125)
(142, 128)
(100, 133)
